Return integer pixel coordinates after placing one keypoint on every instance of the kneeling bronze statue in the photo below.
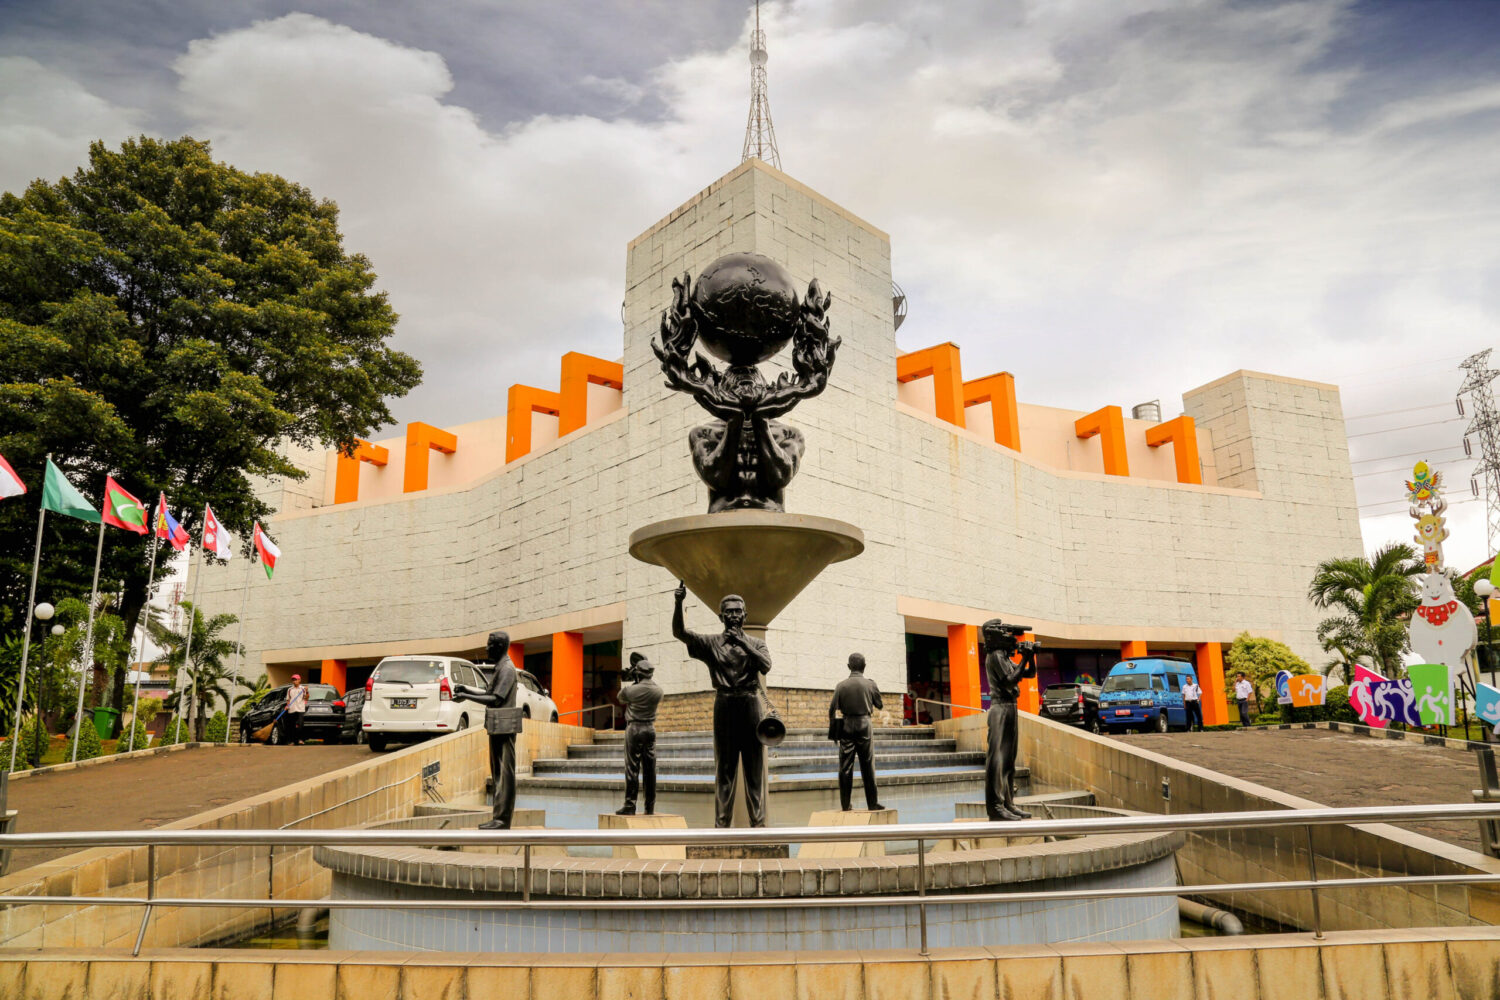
(1005, 672)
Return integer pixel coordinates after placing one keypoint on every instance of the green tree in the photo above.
(111, 643)
(1372, 599)
(254, 692)
(171, 320)
(208, 675)
(1259, 659)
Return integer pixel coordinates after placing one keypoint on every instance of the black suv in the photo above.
(1073, 704)
(324, 719)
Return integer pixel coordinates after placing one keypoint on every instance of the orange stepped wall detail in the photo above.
(346, 477)
(569, 405)
(951, 395)
(999, 390)
(1182, 433)
(1109, 424)
(421, 441)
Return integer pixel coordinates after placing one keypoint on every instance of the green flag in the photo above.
(59, 496)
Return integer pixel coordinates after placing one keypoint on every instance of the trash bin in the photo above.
(107, 722)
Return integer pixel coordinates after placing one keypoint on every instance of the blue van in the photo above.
(1145, 693)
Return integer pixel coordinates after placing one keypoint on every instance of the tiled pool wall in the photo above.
(790, 928)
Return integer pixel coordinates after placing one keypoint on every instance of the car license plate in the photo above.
(403, 703)
(1122, 711)
(1058, 709)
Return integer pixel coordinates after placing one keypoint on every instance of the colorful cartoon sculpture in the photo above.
(1487, 703)
(1425, 484)
(1283, 687)
(1442, 629)
(1425, 492)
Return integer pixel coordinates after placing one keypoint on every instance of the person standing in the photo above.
(501, 693)
(1242, 692)
(855, 697)
(735, 664)
(1192, 700)
(296, 708)
(640, 698)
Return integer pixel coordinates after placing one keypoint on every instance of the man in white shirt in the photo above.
(1242, 692)
(296, 710)
(1192, 700)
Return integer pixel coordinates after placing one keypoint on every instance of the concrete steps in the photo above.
(810, 763)
(613, 749)
(617, 737)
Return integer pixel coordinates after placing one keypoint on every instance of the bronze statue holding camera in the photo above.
(736, 662)
(640, 698)
(855, 697)
(1005, 671)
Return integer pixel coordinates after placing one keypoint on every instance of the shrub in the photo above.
(142, 738)
(1336, 707)
(176, 732)
(29, 742)
(216, 728)
(87, 740)
(1268, 719)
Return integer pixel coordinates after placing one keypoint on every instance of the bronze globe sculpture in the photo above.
(744, 308)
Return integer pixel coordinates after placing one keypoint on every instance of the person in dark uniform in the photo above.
(736, 662)
(501, 693)
(641, 698)
(855, 697)
(1005, 676)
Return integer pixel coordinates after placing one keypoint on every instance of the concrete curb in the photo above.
(148, 752)
(1428, 739)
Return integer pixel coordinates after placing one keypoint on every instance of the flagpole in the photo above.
(88, 645)
(36, 561)
(187, 648)
(239, 652)
(145, 617)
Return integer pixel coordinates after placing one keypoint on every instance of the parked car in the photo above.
(535, 701)
(354, 703)
(1073, 703)
(1145, 693)
(324, 719)
(408, 698)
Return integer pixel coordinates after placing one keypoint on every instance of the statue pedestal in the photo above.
(847, 849)
(960, 843)
(656, 821)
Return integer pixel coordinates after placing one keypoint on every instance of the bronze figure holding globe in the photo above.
(744, 310)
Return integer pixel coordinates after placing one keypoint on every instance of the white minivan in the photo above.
(411, 697)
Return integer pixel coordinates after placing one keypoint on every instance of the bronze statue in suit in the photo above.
(501, 693)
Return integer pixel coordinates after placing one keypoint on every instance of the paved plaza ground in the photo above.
(146, 792)
(1335, 769)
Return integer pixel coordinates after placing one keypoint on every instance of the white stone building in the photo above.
(973, 505)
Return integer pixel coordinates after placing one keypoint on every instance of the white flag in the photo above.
(10, 483)
(215, 539)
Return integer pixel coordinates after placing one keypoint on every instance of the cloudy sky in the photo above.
(1174, 190)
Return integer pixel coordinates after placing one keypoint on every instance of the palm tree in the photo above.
(1374, 597)
(253, 692)
(208, 673)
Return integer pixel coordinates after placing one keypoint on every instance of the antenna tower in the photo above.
(1486, 424)
(760, 134)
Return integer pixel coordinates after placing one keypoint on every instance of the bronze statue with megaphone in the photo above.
(745, 722)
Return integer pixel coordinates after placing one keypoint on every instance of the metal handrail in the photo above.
(526, 839)
(916, 711)
(592, 708)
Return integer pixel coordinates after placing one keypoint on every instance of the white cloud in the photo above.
(47, 121)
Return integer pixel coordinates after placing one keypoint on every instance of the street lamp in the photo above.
(1485, 589)
(43, 612)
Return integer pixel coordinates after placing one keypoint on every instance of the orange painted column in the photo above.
(567, 676)
(1182, 432)
(941, 362)
(963, 668)
(517, 654)
(346, 474)
(1108, 423)
(1030, 699)
(421, 441)
(999, 391)
(1210, 662)
(1132, 649)
(336, 672)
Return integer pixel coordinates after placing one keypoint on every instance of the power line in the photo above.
(1405, 502)
(1388, 413)
(1407, 468)
(1410, 454)
(1385, 368)
(1408, 427)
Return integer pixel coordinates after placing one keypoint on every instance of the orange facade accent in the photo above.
(578, 370)
(567, 676)
(335, 672)
(963, 669)
(346, 476)
(570, 405)
(1210, 663)
(1132, 649)
(1182, 432)
(999, 390)
(1030, 699)
(1109, 423)
(941, 362)
(421, 441)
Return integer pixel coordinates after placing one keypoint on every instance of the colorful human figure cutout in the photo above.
(1433, 687)
(1487, 703)
(1395, 702)
(1361, 700)
(1308, 690)
(1283, 687)
(1442, 629)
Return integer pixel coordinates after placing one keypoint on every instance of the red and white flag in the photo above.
(215, 539)
(10, 483)
(269, 553)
